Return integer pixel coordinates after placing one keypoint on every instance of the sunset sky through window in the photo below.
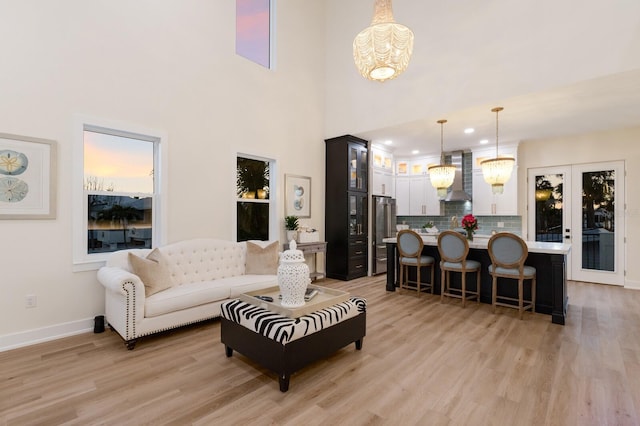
(252, 30)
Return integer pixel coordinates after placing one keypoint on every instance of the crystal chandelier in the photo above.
(383, 50)
(497, 171)
(442, 175)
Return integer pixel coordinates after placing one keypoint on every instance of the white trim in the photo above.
(81, 260)
(45, 334)
(632, 285)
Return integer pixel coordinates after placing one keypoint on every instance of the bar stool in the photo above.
(453, 249)
(410, 246)
(508, 253)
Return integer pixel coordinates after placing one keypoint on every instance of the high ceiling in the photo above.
(557, 68)
(606, 103)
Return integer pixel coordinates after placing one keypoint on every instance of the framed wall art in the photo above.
(27, 177)
(297, 195)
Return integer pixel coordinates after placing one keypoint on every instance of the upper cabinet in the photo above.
(358, 167)
(485, 203)
(415, 196)
(382, 177)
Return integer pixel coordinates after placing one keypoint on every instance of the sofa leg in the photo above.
(359, 344)
(130, 344)
(228, 350)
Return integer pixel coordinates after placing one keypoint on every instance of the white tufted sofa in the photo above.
(205, 273)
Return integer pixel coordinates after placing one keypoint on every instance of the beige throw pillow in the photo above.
(153, 272)
(261, 261)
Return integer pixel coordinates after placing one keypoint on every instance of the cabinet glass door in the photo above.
(357, 167)
(357, 214)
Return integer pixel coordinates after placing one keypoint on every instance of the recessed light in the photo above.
(388, 142)
(484, 141)
(415, 151)
(469, 130)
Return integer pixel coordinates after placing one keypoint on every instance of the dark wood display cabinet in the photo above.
(346, 202)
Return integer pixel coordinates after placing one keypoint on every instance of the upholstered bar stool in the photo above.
(453, 249)
(410, 246)
(508, 253)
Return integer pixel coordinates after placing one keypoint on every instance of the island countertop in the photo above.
(481, 242)
(549, 259)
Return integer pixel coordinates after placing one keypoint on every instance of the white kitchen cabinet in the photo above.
(383, 183)
(485, 203)
(416, 197)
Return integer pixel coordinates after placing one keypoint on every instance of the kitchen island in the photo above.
(549, 259)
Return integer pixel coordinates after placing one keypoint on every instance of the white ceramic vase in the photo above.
(293, 277)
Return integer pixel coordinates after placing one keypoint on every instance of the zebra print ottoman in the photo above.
(285, 345)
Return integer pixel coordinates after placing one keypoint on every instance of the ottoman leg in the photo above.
(284, 382)
(228, 350)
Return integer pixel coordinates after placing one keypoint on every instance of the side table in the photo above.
(314, 248)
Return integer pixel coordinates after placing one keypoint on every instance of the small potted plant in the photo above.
(291, 225)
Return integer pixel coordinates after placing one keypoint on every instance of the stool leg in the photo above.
(533, 294)
(478, 286)
(418, 279)
(401, 275)
(464, 288)
(494, 288)
(520, 296)
(442, 285)
(433, 267)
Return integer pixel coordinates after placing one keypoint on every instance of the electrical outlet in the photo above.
(500, 224)
(30, 301)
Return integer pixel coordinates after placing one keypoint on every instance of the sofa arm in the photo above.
(115, 279)
(124, 300)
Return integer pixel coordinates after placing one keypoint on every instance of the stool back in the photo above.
(507, 250)
(410, 244)
(452, 246)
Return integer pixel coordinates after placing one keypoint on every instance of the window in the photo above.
(254, 207)
(253, 30)
(120, 192)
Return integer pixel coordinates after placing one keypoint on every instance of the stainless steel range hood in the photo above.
(457, 189)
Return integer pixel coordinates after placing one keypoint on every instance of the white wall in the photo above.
(167, 65)
(590, 148)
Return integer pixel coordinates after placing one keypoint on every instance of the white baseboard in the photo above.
(45, 334)
(632, 285)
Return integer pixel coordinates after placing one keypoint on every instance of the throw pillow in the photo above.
(261, 260)
(153, 272)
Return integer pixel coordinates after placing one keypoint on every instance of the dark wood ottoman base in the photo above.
(286, 359)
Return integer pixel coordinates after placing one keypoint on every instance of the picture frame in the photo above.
(297, 196)
(27, 177)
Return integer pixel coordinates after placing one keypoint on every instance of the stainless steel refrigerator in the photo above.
(384, 226)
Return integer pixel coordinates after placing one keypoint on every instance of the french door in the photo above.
(583, 205)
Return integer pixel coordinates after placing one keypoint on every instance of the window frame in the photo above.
(82, 260)
(274, 231)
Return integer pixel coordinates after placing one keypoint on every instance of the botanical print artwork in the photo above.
(13, 190)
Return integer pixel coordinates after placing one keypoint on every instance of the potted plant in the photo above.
(291, 225)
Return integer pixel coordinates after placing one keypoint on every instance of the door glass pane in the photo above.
(549, 192)
(353, 167)
(598, 220)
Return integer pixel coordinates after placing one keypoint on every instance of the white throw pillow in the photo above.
(152, 270)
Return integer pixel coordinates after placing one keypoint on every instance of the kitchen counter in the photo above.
(481, 241)
(549, 259)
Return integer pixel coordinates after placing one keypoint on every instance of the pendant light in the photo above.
(442, 175)
(382, 51)
(497, 171)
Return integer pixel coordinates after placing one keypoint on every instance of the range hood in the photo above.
(457, 189)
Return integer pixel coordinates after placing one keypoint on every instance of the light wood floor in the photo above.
(422, 363)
